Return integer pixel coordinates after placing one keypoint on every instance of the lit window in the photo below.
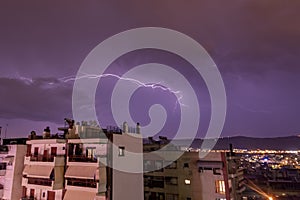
(121, 151)
(187, 181)
(220, 187)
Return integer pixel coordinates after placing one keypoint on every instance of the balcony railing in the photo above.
(37, 181)
(28, 198)
(81, 158)
(82, 183)
(41, 158)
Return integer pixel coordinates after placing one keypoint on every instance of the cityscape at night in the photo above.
(149, 100)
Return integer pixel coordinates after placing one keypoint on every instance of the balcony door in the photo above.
(28, 150)
(32, 193)
(36, 151)
(90, 152)
(50, 195)
(45, 155)
(53, 151)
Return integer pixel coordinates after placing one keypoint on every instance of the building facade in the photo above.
(11, 167)
(87, 162)
(217, 176)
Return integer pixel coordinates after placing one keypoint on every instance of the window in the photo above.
(36, 151)
(90, 152)
(154, 181)
(149, 165)
(121, 151)
(187, 181)
(172, 197)
(216, 171)
(159, 166)
(220, 187)
(171, 180)
(172, 165)
(185, 165)
(188, 198)
(3, 166)
(28, 150)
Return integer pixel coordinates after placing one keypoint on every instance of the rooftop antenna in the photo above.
(5, 131)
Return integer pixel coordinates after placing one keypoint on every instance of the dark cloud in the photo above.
(41, 99)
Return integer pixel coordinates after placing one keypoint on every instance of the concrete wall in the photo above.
(128, 169)
(18, 171)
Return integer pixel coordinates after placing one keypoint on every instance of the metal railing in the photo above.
(37, 181)
(42, 158)
(82, 183)
(81, 158)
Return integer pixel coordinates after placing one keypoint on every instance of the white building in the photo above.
(44, 165)
(11, 167)
(87, 164)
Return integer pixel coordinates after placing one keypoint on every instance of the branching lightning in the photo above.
(178, 94)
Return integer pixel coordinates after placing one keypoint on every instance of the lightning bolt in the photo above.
(178, 94)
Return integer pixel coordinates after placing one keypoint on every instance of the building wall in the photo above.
(12, 180)
(46, 146)
(128, 180)
(16, 192)
(40, 193)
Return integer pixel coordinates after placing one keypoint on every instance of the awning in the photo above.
(38, 171)
(85, 172)
(79, 195)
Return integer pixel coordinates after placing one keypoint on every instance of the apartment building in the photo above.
(82, 163)
(44, 166)
(216, 176)
(11, 167)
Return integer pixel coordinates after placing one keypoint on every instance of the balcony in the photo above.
(82, 158)
(28, 198)
(39, 181)
(40, 158)
(45, 160)
(82, 183)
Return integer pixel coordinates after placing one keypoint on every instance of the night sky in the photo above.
(254, 43)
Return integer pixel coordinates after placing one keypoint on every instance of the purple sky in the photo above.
(255, 45)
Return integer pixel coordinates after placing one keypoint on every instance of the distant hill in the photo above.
(241, 142)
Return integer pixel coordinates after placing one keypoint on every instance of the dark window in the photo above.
(171, 180)
(186, 165)
(28, 150)
(53, 151)
(2, 166)
(36, 151)
(216, 171)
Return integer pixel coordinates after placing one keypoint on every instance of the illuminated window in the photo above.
(121, 151)
(187, 181)
(220, 187)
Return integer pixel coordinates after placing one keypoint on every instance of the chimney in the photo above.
(125, 127)
(138, 128)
